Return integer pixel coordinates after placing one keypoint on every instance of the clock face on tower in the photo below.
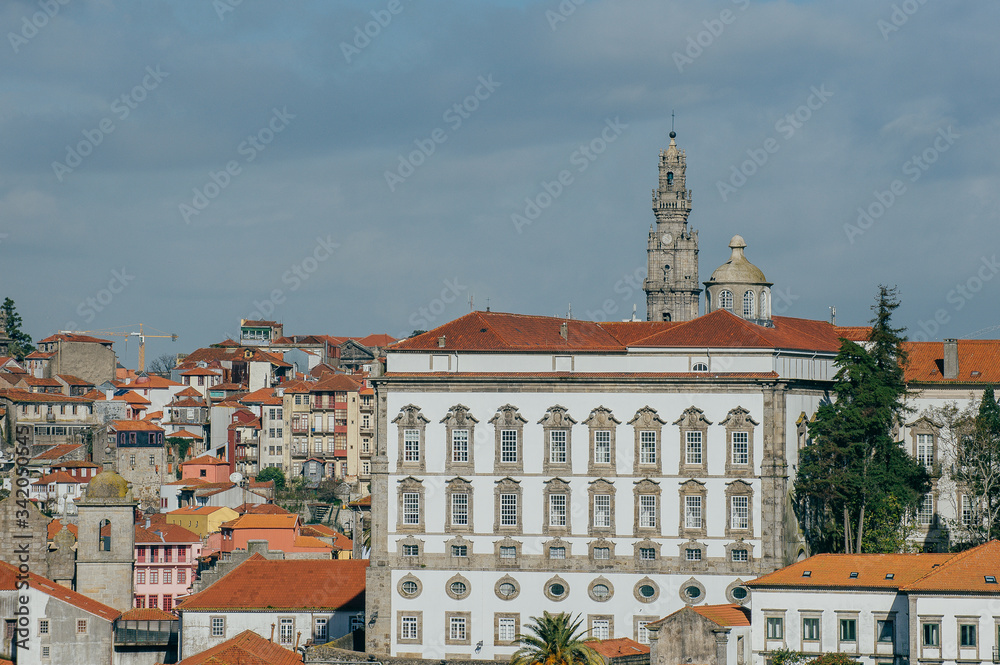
(667, 238)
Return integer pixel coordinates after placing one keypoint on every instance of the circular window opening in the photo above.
(647, 591)
(600, 591)
(739, 593)
(410, 587)
(558, 590)
(458, 588)
(507, 589)
(692, 592)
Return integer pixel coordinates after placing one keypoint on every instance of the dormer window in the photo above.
(890, 576)
(699, 367)
(991, 579)
(854, 576)
(807, 573)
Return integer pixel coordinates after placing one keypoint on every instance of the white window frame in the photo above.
(741, 448)
(458, 629)
(693, 448)
(602, 511)
(647, 511)
(411, 508)
(558, 504)
(558, 452)
(508, 509)
(693, 512)
(411, 445)
(506, 629)
(739, 512)
(460, 509)
(647, 446)
(602, 446)
(508, 446)
(460, 446)
(409, 628)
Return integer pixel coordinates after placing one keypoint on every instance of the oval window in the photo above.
(739, 593)
(647, 591)
(410, 587)
(458, 588)
(507, 589)
(601, 591)
(693, 592)
(557, 589)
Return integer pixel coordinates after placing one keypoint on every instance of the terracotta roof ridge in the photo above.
(943, 567)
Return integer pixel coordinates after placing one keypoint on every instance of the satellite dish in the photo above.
(236, 477)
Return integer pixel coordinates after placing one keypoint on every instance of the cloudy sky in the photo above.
(358, 167)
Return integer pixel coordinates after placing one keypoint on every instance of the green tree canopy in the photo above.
(272, 473)
(555, 639)
(10, 320)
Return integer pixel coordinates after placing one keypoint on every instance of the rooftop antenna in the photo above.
(472, 302)
(633, 313)
(487, 304)
(671, 120)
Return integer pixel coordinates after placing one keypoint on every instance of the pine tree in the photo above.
(20, 341)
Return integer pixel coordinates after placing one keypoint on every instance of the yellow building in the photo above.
(202, 521)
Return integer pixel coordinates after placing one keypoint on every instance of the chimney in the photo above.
(442, 340)
(271, 639)
(951, 359)
(298, 636)
(564, 330)
(147, 522)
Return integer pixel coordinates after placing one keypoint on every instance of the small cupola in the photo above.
(740, 287)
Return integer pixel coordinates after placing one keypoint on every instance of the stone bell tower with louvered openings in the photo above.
(672, 289)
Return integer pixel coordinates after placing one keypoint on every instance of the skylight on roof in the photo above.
(807, 573)
(889, 576)
(991, 579)
(854, 575)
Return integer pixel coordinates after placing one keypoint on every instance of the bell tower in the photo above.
(672, 289)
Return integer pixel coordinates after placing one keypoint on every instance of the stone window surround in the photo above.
(644, 582)
(646, 487)
(405, 486)
(963, 651)
(738, 488)
(410, 418)
(399, 626)
(601, 419)
(738, 582)
(507, 579)
(924, 619)
(693, 487)
(601, 543)
(698, 564)
(411, 561)
(556, 580)
(739, 544)
(507, 417)
(647, 419)
(557, 563)
(606, 582)
(448, 616)
(739, 420)
(455, 562)
(459, 418)
(610, 618)
(803, 642)
(693, 420)
(557, 418)
(769, 643)
(640, 619)
(409, 577)
(508, 486)
(600, 487)
(924, 425)
(557, 486)
(507, 542)
(458, 485)
(496, 628)
(845, 647)
(884, 616)
(452, 580)
(933, 525)
(646, 543)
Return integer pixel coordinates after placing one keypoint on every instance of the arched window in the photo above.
(726, 300)
(699, 367)
(764, 314)
(748, 308)
(666, 316)
(104, 536)
(670, 177)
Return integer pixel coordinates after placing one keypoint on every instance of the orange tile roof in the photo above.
(336, 383)
(184, 434)
(376, 339)
(309, 541)
(132, 397)
(147, 614)
(260, 509)
(165, 533)
(263, 521)
(247, 648)
(261, 396)
(8, 582)
(188, 392)
(363, 502)
(319, 530)
(964, 572)
(134, 426)
(926, 362)
(834, 570)
(56, 525)
(35, 381)
(854, 333)
(725, 615)
(206, 459)
(57, 451)
(203, 510)
(154, 415)
(75, 464)
(75, 380)
(73, 337)
(20, 395)
(291, 584)
(59, 477)
(618, 647)
(154, 381)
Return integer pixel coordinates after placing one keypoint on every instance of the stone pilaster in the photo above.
(774, 479)
(378, 579)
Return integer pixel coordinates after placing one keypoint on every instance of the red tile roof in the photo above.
(73, 337)
(153, 381)
(8, 582)
(618, 647)
(75, 380)
(165, 533)
(376, 339)
(247, 648)
(74, 464)
(291, 584)
(59, 477)
(336, 383)
(926, 362)
(206, 459)
(134, 426)
(725, 615)
(184, 434)
(35, 381)
(261, 396)
(260, 509)
(854, 333)
(311, 542)
(19, 395)
(132, 397)
(57, 451)
(56, 525)
(964, 572)
(189, 392)
(263, 521)
(363, 502)
(834, 570)
(147, 614)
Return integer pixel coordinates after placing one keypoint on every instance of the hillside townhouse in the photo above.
(166, 564)
(53, 418)
(268, 405)
(283, 532)
(57, 492)
(137, 448)
(325, 422)
(90, 358)
(203, 520)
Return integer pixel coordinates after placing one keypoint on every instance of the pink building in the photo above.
(208, 468)
(282, 532)
(166, 559)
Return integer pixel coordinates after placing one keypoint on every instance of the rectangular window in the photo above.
(925, 450)
(642, 635)
(739, 555)
(647, 553)
(647, 447)
(411, 508)
(925, 513)
(692, 512)
(741, 448)
(557, 552)
(647, 511)
(508, 446)
(182, 576)
(140, 577)
(456, 629)
(319, 630)
(810, 630)
(557, 447)
(775, 628)
(967, 635)
(508, 552)
(460, 445)
(848, 630)
(460, 509)
(46, 651)
(602, 553)
(966, 510)
(886, 630)
(460, 550)
(140, 602)
(43, 626)
(557, 510)
(692, 554)
(602, 447)
(286, 627)
(740, 517)
(506, 629)
(411, 550)
(601, 629)
(408, 628)
(508, 510)
(602, 510)
(154, 601)
(932, 634)
(168, 577)
(168, 602)
(693, 448)
(154, 577)
(411, 445)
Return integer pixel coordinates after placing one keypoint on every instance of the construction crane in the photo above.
(142, 340)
